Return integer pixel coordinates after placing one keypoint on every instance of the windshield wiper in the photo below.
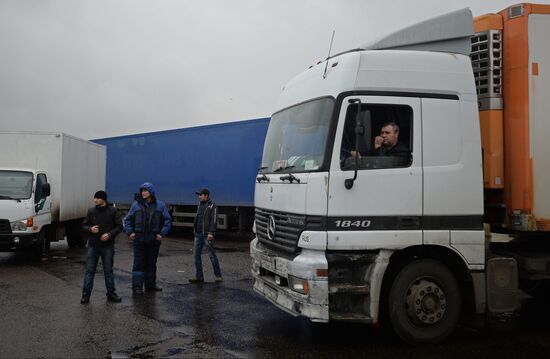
(261, 178)
(261, 169)
(290, 177)
(8, 197)
(283, 168)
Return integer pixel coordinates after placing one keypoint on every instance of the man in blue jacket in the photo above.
(147, 222)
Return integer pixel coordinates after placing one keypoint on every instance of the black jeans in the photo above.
(145, 264)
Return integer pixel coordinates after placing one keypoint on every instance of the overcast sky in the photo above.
(105, 68)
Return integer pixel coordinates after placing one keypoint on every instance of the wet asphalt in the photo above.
(41, 315)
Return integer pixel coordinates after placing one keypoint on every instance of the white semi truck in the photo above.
(419, 241)
(47, 182)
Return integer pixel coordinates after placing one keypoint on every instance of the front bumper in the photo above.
(17, 241)
(271, 278)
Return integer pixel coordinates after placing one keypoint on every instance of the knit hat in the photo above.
(101, 195)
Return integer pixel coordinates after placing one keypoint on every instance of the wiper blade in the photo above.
(261, 169)
(8, 197)
(283, 168)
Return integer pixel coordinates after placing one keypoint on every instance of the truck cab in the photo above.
(351, 232)
(24, 209)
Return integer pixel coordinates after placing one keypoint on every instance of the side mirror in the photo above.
(359, 133)
(45, 190)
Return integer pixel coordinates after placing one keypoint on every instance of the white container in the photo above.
(75, 168)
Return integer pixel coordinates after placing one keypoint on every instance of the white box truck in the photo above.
(47, 182)
(450, 215)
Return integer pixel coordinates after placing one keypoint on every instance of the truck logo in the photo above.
(271, 228)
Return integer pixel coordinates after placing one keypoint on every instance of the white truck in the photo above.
(47, 182)
(418, 241)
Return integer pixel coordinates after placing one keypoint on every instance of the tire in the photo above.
(74, 235)
(424, 302)
(41, 247)
(539, 289)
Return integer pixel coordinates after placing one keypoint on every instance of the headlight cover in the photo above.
(19, 226)
(298, 284)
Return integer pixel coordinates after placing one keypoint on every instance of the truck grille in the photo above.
(5, 227)
(284, 237)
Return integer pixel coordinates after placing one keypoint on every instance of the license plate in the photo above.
(281, 267)
(270, 293)
(267, 262)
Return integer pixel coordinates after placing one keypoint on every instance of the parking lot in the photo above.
(41, 315)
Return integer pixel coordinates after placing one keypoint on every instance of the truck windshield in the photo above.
(297, 137)
(15, 185)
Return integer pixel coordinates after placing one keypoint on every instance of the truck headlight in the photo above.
(298, 284)
(19, 226)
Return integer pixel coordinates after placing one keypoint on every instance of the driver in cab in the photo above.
(387, 143)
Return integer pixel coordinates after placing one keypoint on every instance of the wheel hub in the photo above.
(426, 303)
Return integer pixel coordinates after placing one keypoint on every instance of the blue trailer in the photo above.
(222, 157)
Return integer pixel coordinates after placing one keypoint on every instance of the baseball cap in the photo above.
(203, 191)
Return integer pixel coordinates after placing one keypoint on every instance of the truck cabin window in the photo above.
(296, 140)
(385, 141)
(15, 185)
(40, 180)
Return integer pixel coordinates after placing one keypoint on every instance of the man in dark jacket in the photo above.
(387, 144)
(204, 227)
(147, 222)
(102, 224)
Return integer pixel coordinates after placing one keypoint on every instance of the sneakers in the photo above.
(137, 292)
(196, 280)
(154, 289)
(113, 297)
(85, 299)
(218, 280)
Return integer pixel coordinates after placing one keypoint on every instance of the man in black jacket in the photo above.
(205, 229)
(102, 224)
(387, 144)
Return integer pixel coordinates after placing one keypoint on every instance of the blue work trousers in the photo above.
(145, 264)
(201, 240)
(106, 253)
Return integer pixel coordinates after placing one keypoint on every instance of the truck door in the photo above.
(383, 208)
(42, 203)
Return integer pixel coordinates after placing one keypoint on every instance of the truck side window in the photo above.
(40, 179)
(386, 141)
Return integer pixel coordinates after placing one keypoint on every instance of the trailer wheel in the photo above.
(424, 302)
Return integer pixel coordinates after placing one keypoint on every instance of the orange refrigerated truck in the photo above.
(511, 63)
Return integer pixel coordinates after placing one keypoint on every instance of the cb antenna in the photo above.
(328, 56)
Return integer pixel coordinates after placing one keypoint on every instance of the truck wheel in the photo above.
(74, 235)
(41, 247)
(424, 302)
(536, 288)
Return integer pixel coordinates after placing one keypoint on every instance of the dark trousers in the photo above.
(106, 253)
(201, 240)
(145, 264)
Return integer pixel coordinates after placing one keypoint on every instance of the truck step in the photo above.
(350, 317)
(349, 288)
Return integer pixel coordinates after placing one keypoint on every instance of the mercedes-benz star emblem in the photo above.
(271, 228)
